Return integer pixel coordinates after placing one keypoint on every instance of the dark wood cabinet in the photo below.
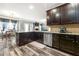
(76, 46)
(24, 38)
(63, 11)
(38, 36)
(65, 14)
(67, 43)
(56, 41)
(48, 17)
(49, 22)
(68, 14)
(27, 37)
(53, 17)
(77, 12)
(56, 16)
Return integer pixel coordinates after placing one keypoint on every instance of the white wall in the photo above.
(21, 25)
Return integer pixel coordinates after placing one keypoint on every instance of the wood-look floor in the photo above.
(32, 49)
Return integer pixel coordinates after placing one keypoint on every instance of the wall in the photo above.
(70, 28)
(21, 25)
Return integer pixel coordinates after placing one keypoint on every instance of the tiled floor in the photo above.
(32, 49)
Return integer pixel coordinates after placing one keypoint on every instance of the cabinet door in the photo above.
(77, 12)
(71, 14)
(55, 16)
(68, 14)
(77, 45)
(67, 43)
(49, 22)
(39, 37)
(49, 17)
(56, 41)
(64, 18)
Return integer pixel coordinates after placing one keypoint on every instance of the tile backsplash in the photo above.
(74, 28)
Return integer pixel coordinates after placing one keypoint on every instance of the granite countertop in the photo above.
(59, 33)
(69, 33)
(53, 32)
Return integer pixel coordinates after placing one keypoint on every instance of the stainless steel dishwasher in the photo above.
(48, 39)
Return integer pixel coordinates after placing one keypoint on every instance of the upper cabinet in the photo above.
(48, 17)
(68, 14)
(53, 17)
(77, 12)
(64, 14)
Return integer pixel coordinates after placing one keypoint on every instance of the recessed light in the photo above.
(54, 10)
(31, 7)
(57, 15)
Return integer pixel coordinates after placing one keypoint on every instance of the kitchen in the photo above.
(52, 29)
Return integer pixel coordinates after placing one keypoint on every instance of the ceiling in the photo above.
(29, 11)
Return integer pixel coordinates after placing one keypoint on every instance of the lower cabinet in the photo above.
(38, 37)
(55, 41)
(67, 43)
(77, 46)
(23, 38)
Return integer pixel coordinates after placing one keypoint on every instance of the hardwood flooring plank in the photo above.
(27, 52)
(40, 46)
(18, 51)
(1, 49)
(6, 52)
(12, 53)
(48, 50)
(41, 53)
(35, 53)
(55, 53)
(23, 51)
(1, 52)
(49, 54)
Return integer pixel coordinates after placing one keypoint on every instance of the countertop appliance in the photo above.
(63, 29)
(36, 26)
